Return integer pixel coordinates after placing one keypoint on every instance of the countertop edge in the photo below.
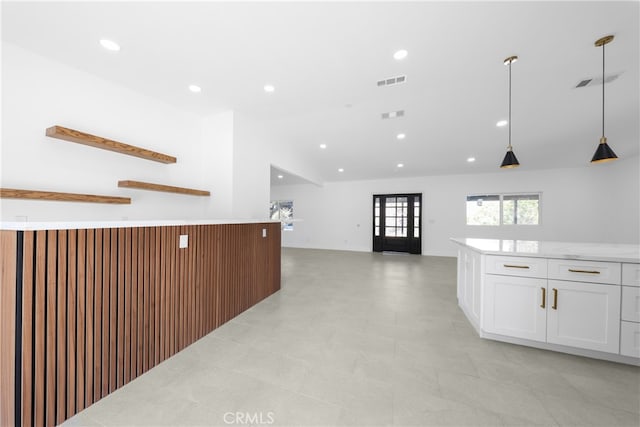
(79, 225)
(555, 255)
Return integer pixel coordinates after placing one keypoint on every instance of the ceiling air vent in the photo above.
(393, 114)
(392, 81)
(596, 81)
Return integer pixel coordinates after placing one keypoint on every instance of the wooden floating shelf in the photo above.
(159, 187)
(72, 135)
(10, 193)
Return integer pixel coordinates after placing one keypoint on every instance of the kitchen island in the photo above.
(86, 307)
(578, 298)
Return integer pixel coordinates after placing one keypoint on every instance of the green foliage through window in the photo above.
(503, 209)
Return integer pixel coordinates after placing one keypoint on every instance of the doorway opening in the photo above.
(397, 220)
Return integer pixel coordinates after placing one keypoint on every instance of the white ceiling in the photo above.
(325, 59)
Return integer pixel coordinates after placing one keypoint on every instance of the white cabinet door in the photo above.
(630, 339)
(469, 284)
(586, 315)
(515, 306)
(475, 276)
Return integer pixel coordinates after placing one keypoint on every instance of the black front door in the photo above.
(396, 223)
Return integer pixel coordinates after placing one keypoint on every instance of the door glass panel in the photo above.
(416, 232)
(390, 221)
(390, 231)
(377, 231)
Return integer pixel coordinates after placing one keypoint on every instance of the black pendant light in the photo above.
(603, 153)
(510, 160)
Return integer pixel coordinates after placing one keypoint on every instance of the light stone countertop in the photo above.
(617, 252)
(72, 225)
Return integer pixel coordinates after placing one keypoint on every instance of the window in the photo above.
(282, 210)
(503, 209)
(395, 221)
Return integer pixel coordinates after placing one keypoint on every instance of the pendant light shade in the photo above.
(603, 153)
(510, 160)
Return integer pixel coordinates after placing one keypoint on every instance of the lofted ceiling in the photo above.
(325, 58)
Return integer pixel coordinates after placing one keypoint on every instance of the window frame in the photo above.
(501, 197)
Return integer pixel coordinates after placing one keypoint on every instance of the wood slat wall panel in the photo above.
(97, 318)
(134, 303)
(140, 301)
(40, 327)
(127, 305)
(72, 303)
(113, 306)
(89, 310)
(106, 270)
(157, 306)
(102, 306)
(121, 308)
(8, 273)
(81, 320)
(60, 387)
(28, 306)
(50, 335)
(145, 301)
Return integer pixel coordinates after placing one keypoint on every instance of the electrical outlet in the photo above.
(184, 241)
(264, 232)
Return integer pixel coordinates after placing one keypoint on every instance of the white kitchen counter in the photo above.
(72, 225)
(578, 298)
(561, 250)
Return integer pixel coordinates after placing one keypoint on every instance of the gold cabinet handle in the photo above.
(544, 297)
(515, 266)
(555, 299)
(584, 271)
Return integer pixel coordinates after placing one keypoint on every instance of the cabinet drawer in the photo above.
(630, 304)
(585, 271)
(630, 339)
(631, 274)
(516, 266)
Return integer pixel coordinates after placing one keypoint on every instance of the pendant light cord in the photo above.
(510, 61)
(603, 82)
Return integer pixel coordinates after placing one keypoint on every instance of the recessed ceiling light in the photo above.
(400, 165)
(269, 88)
(401, 54)
(194, 88)
(110, 45)
(401, 136)
(280, 176)
(323, 146)
(340, 170)
(502, 123)
(471, 159)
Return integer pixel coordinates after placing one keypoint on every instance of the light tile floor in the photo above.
(368, 339)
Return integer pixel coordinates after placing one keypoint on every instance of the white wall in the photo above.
(597, 203)
(256, 147)
(216, 162)
(38, 93)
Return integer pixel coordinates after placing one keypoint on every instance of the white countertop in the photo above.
(72, 225)
(617, 252)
